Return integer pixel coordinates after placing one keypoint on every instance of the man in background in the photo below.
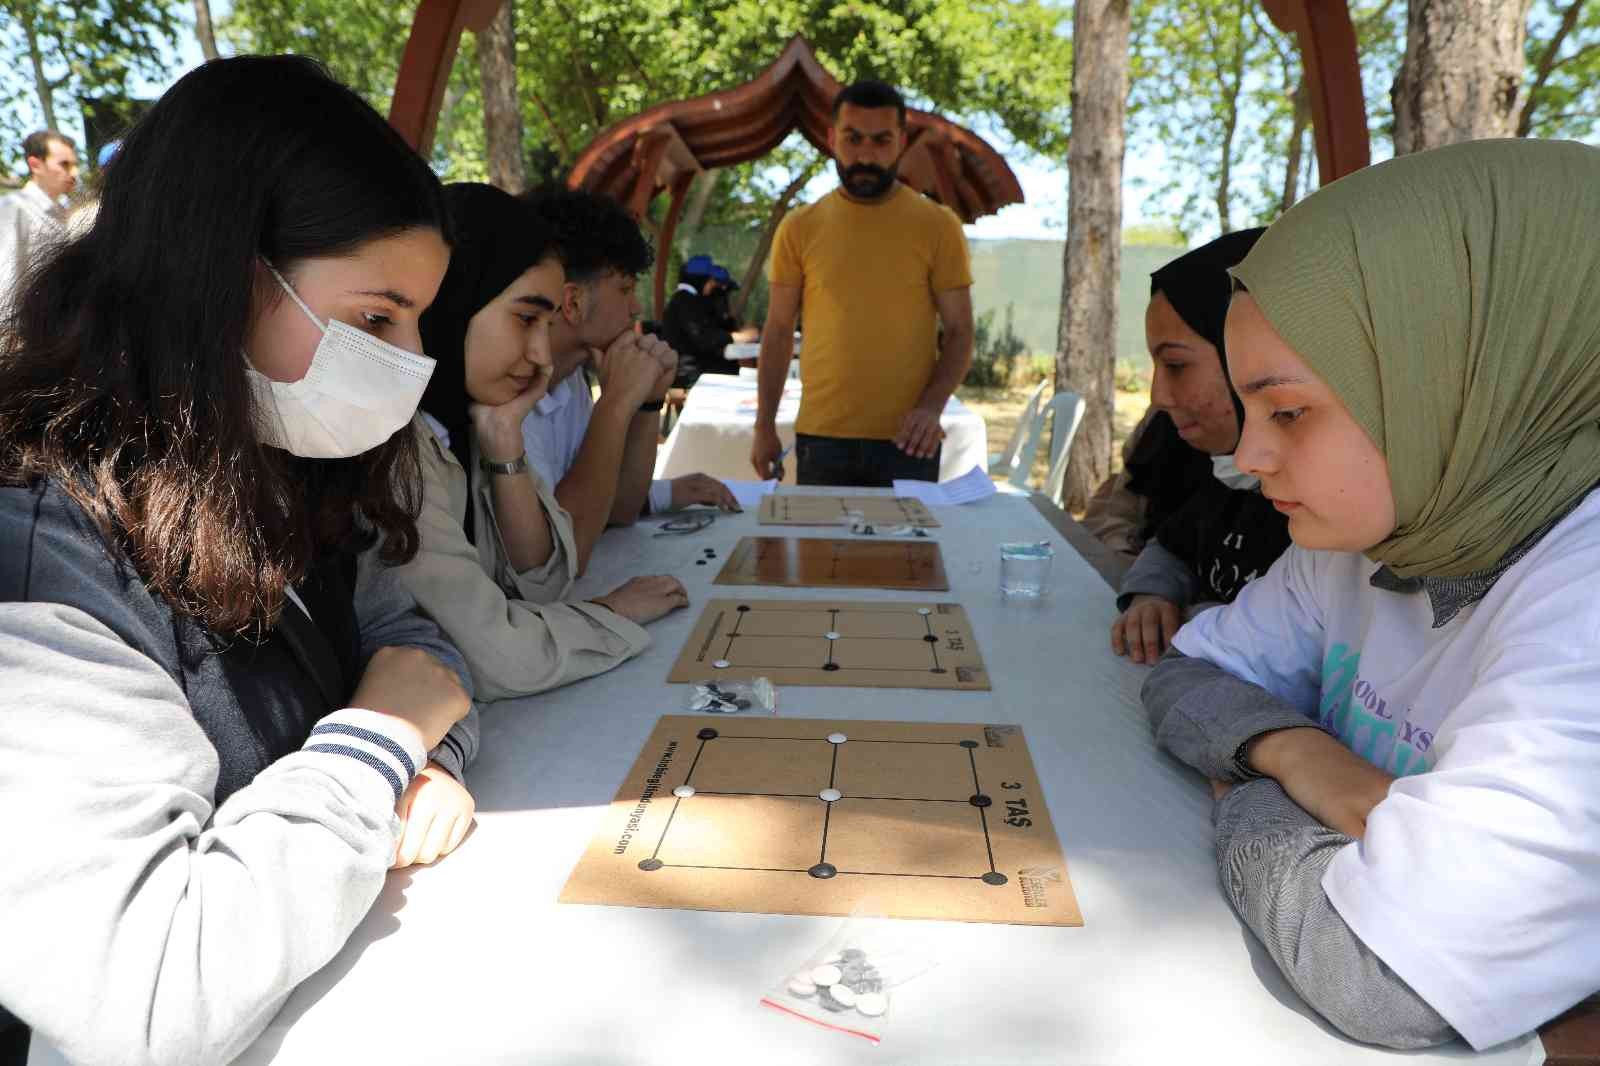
(883, 277)
(35, 216)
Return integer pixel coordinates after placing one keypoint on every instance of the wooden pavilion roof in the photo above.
(639, 157)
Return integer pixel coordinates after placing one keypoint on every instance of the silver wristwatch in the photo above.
(517, 466)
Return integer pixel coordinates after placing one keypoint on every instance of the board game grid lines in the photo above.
(822, 817)
(793, 509)
(834, 643)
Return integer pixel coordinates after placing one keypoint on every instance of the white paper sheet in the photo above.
(970, 487)
(749, 493)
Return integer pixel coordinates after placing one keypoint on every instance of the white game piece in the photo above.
(802, 986)
(924, 610)
(826, 976)
(831, 636)
(829, 794)
(843, 995)
(683, 791)
(872, 1004)
(721, 664)
(837, 738)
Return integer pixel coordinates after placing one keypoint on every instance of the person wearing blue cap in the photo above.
(697, 322)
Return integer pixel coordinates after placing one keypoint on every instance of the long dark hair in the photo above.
(122, 374)
(498, 236)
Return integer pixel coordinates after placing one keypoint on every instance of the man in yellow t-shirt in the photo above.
(883, 277)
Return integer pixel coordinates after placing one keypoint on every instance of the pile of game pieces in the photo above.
(868, 529)
(731, 697)
(710, 554)
(844, 982)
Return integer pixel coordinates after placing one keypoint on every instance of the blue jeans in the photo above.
(858, 461)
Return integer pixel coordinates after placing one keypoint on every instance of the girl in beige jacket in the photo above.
(498, 559)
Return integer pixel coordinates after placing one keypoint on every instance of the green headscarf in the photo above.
(1452, 301)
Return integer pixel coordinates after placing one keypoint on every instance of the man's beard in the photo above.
(866, 181)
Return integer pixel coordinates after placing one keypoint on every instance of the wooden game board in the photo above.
(931, 820)
(783, 509)
(873, 645)
(816, 562)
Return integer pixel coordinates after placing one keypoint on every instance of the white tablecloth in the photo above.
(713, 434)
(474, 961)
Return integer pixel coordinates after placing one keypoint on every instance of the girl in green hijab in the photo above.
(1399, 719)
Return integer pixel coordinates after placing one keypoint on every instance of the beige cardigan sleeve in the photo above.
(513, 647)
(552, 580)
(1115, 513)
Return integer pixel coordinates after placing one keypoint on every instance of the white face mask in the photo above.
(1225, 470)
(357, 392)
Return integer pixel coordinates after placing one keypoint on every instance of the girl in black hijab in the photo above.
(1222, 533)
(499, 557)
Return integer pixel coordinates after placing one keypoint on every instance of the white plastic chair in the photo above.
(1017, 460)
(1066, 413)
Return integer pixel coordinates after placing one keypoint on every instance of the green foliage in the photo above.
(360, 40)
(993, 353)
(582, 66)
(1158, 234)
(1041, 366)
(1213, 85)
(1131, 376)
(1564, 46)
(85, 51)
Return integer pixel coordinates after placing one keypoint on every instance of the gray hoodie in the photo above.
(143, 923)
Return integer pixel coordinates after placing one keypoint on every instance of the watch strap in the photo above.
(517, 466)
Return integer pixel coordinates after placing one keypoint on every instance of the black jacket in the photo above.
(699, 329)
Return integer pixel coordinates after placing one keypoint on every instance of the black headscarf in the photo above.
(1227, 536)
(498, 236)
(1164, 468)
(1198, 287)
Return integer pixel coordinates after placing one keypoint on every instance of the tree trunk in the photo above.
(502, 113)
(202, 29)
(1545, 64)
(704, 182)
(1230, 91)
(780, 207)
(1462, 73)
(41, 82)
(555, 128)
(1087, 336)
(1225, 173)
(1295, 157)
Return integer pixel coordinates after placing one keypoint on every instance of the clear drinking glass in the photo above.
(1025, 569)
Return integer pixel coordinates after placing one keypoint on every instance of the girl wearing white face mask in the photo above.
(219, 695)
(1222, 533)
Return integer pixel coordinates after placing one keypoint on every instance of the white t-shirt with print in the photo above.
(553, 433)
(1478, 880)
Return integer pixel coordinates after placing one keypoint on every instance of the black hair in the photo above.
(1164, 468)
(871, 94)
(498, 237)
(36, 145)
(593, 231)
(122, 371)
